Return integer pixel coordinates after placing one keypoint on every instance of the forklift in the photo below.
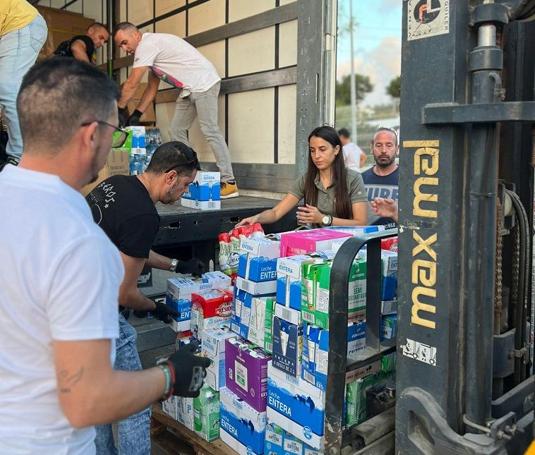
(465, 341)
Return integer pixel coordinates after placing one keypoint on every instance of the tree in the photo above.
(394, 88)
(343, 89)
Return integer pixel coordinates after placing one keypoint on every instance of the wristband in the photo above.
(167, 374)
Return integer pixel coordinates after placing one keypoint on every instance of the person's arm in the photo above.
(275, 214)
(79, 51)
(158, 261)
(311, 215)
(385, 208)
(129, 294)
(130, 86)
(150, 92)
(91, 392)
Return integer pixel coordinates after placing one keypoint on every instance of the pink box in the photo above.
(246, 372)
(303, 242)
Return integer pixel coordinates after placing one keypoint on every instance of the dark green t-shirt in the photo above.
(326, 196)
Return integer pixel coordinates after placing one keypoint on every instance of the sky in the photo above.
(377, 43)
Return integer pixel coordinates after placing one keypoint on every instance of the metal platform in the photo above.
(179, 225)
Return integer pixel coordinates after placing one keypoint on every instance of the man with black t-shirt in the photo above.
(83, 47)
(124, 207)
(382, 179)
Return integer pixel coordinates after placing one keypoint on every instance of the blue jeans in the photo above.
(18, 52)
(134, 431)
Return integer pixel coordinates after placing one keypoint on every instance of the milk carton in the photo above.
(213, 347)
(242, 427)
(204, 193)
(280, 442)
(206, 408)
(316, 351)
(179, 290)
(287, 346)
(260, 326)
(246, 372)
(210, 310)
(389, 273)
(296, 406)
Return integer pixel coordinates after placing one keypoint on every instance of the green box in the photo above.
(206, 414)
(309, 273)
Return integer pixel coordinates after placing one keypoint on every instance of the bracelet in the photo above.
(168, 391)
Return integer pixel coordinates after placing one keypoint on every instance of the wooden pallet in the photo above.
(174, 438)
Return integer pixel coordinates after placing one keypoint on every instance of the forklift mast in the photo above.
(465, 354)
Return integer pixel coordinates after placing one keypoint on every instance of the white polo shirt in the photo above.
(176, 62)
(59, 280)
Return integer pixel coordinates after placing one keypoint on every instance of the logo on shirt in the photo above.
(384, 191)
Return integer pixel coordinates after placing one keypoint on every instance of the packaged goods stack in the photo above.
(269, 340)
(204, 193)
(204, 307)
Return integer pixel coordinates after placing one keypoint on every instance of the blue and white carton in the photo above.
(257, 268)
(256, 288)
(296, 406)
(242, 427)
(389, 275)
(315, 357)
(204, 192)
(287, 346)
(213, 347)
(289, 280)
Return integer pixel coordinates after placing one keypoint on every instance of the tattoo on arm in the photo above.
(66, 381)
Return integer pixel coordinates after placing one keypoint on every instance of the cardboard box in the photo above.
(242, 427)
(303, 242)
(149, 116)
(316, 351)
(316, 289)
(257, 268)
(389, 274)
(210, 309)
(213, 347)
(257, 289)
(204, 193)
(185, 412)
(297, 406)
(260, 247)
(287, 346)
(206, 409)
(289, 273)
(200, 205)
(260, 328)
(179, 290)
(288, 314)
(118, 163)
(389, 327)
(280, 442)
(246, 372)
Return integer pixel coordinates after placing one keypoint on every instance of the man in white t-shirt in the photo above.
(354, 157)
(60, 276)
(171, 59)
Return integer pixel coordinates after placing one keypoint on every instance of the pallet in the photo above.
(173, 436)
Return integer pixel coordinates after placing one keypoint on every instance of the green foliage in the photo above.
(394, 88)
(343, 89)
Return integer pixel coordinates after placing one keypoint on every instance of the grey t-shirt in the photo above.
(326, 196)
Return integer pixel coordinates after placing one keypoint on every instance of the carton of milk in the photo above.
(296, 406)
(213, 347)
(316, 350)
(260, 323)
(258, 259)
(210, 310)
(204, 193)
(389, 278)
(246, 372)
(242, 427)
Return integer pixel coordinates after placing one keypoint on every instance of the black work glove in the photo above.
(194, 266)
(190, 371)
(133, 120)
(123, 116)
(164, 313)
